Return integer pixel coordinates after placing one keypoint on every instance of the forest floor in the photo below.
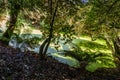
(15, 65)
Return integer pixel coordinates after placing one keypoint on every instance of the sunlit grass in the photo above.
(94, 47)
(99, 41)
(89, 44)
(96, 53)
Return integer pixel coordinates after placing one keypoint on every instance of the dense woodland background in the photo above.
(59, 40)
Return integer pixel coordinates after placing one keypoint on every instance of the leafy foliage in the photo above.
(62, 20)
(92, 60)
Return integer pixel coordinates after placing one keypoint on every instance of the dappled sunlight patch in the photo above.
(99, 41)
(105, 59)
(106, 51)
(90, 44)
(86, 38)
(34, 31)
(93, 66)
(67, 60)
(93, 46)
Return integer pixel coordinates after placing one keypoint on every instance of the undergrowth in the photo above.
(95, 58)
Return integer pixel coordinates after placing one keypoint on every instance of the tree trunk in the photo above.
(15, 8)
(46, 43)
(42, 49)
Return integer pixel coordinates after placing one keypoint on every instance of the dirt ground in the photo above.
(15, 65)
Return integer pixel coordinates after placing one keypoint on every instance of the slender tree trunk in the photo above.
(46, 43)
(15, 8)
(42, 48)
